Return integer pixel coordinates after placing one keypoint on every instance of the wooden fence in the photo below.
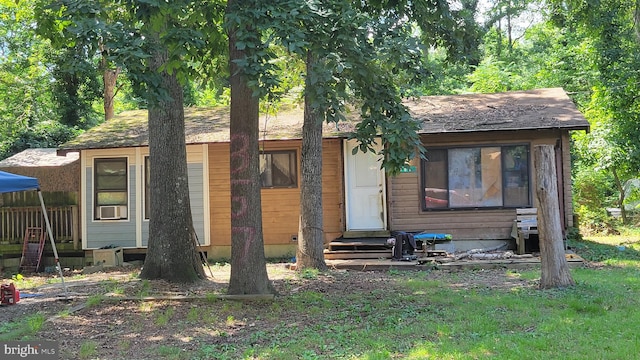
(15, 220)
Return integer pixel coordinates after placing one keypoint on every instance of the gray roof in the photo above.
(517, 110)
(39, 157)
(534, 109)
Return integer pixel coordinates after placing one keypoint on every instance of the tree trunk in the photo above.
(109, 77)
(172, 254)
(248, 263)
(310, 253)
(499, 44)
(109, 80)
(555, 270)
(509, 28)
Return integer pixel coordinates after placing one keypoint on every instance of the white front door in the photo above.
(365, 190)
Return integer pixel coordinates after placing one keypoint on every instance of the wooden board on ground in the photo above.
(435, 263)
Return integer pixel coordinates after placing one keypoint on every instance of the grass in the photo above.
(22, 329)
(88, 349)
(430, 319)
(163, 317)
(411, 315)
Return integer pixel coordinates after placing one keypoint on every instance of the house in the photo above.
(477, 171)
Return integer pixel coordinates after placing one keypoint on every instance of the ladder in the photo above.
(32, 249)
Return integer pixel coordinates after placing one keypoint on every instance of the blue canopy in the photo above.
(11, 182)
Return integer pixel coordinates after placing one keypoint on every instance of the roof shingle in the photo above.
(533, 109)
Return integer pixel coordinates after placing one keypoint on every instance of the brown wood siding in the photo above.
(404, 197)
(332, 188)
(219, 194)
(280, 207)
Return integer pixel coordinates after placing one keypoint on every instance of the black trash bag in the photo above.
(404, 247)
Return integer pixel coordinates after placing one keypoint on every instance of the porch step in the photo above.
(375, 254)
(360, 244)
(365, 248)
(362, 254)
(366, 234)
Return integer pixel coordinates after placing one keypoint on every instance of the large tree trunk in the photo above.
(248, 263)
(172, 254)
(555, 270)
(109, 80)
(310, 253)
(109, 77)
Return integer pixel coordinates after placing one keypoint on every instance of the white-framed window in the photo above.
(278, 169)
(476, 177)
(110, 188)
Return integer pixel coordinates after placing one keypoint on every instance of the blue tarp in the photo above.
(11, 182)
(428, 236)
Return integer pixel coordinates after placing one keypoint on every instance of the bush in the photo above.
(596, 221)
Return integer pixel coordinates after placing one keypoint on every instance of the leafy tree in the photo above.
(248, 263)
(172, 253)
(75, 88)
(81, 33)
(28, 111)
(614, 108)
(352, 51)
(158, 44)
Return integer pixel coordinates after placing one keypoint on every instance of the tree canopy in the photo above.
(56, 55)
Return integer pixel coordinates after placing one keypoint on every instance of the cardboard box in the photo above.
(108, 257)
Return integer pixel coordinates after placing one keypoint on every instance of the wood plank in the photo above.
(527, 211)
(357, 255)
(361, 234)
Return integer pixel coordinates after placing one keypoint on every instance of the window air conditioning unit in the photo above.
(111, 212)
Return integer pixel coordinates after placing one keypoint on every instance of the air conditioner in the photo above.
(110, 212)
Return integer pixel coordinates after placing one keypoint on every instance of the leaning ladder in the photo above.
(32, 249)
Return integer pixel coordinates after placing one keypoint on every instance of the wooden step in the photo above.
(362, 254)
(353, 234)
(380, 245)
(373, 254)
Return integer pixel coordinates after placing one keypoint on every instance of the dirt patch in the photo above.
(134, 329)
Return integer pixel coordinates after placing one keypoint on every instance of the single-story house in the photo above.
(477, 171)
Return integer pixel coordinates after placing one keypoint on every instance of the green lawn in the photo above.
(404, 315)
(433, 319)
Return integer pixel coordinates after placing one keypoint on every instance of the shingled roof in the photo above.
(534, 109)
(38, 157)
(517, 110)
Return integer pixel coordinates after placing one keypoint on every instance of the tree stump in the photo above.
(554, 267)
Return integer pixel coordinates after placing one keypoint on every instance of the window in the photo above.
(278, 169)
(110, 184)
(490, 176)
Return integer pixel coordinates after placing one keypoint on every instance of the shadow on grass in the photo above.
(594, 251)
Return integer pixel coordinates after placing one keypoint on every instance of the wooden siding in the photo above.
(280, 207)
(405, 208)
